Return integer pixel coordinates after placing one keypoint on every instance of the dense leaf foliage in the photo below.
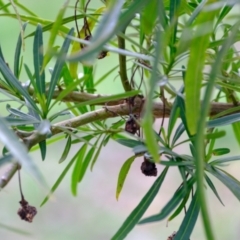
(178, 61)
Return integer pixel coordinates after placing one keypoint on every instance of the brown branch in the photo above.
(100, 114)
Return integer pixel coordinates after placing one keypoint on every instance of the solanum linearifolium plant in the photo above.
(178, 65)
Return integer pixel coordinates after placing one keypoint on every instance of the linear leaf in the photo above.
(224, 160)
(199, 140)
(88, 159)
(54, 31)
(38, 60)
(211, 185)
(172, 203)
(226, 120)
(129, 142)
(58, 67)
(194, 75)
(16, 67)
(66, 149)
(76, 170)
(189, 220)
(43, 149)
(140, 209)
(236, 130)
(20, 122)
(147, 121)
(180, 207)
(12, 80)
(229, 181)
(95, 158)
(123, 174)
(18, 113)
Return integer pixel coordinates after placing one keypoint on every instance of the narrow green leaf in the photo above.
(148, 23)
(179, 131)
(172, 119)
(189, 220)
(129, 142)
(19, 151)
(172, 203)
(225, 160)
(66, 149)
(147, 122)
(226, 120)
(174, 12)
(229, 181)
(20, 122)
(54, 31)
(215, 135)
(140, 209)
(16, 67)
(58, 67)
(89, 82)
(60, 178)
(194, 74)
(97, 153)
(236, 130)
(220, 151)
(12, 80)
(211, 185)
(43, 149)
(180, 207)
(76, 170)
(88, 159)
(123, 174)
(199, 140)
(20, 114)
(38, 60)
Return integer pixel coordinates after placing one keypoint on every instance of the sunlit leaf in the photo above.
(123, 174)
(194, 75)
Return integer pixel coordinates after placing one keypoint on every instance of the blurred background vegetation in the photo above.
(95, 213)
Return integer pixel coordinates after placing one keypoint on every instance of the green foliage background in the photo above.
(95, 213)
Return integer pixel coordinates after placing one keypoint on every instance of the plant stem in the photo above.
(123, 65)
